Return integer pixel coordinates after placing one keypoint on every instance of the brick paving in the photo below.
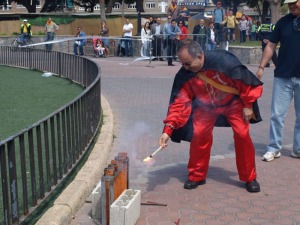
(138, 95)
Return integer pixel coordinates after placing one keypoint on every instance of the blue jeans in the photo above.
(283, 92)
(80, 48)
(49, 37)
(211, 47)
(24, 37)
(128, 46)
(243, 36)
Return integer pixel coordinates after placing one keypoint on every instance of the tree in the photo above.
(102, 10)
(86, 4)
(275, 10)
(30, 5)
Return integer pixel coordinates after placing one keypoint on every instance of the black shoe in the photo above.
(161, 59)
(154, 59)
(253, 186)
(189, 184)
(171, 64)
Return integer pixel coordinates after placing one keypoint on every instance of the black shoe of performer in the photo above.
(190, 184)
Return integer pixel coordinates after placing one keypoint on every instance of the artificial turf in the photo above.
(26, 97)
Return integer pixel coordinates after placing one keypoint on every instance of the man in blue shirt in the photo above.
(173, 32)
(79, 42)
(218, 16)
(286, 83)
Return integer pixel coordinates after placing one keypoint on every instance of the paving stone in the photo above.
(139, 97)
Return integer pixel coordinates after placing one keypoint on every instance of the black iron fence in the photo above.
(36, 159)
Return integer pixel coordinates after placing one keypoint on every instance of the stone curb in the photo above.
(73, 197)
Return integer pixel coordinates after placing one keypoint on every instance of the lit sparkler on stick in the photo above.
(149, 157)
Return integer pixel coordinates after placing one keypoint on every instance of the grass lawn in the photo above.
(26, 97)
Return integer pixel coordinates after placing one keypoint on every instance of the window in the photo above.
(131, 6)
(117, 5)
(150, 5)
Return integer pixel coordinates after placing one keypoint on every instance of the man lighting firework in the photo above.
(212, 89)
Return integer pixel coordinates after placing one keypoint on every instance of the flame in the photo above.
(147, 159)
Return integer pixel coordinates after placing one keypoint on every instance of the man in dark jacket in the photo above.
(212, 88)
(199, 34)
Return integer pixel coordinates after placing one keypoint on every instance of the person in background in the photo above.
(243, 26)
(146, 39)
(231, 22)
(286, 84)
(257, 25)
(218, 16)
(25, 31)
(173, 9)
(98, 47)
(79, 43)
(157, 30)
(165, 41)
(253, 32)
(50, 28)
(212, 36)
(127, 34)
(184, 14)
(105, 34)
(208, 86)
(199, 34)
(264, 33)
(151, 21)
(173, 32)
(183, 29)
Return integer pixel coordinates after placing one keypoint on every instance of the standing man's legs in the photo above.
(281, 98)
(75, 46)
(81, 49)
(126, 46)
(169, 51)
(130, 47)
(296, 143)
(49, 37)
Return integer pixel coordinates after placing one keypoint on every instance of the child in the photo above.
(98, 47)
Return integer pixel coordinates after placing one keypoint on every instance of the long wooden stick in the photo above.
(156, 151)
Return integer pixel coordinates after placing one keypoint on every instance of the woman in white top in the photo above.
(146, 40)
(243, 26)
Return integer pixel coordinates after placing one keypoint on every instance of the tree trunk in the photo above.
(275, 10)
(109, 6)
(140, 6)
(102, 10)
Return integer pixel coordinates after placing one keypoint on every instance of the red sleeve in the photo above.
(248, 94)
(179, 111)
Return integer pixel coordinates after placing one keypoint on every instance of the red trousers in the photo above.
(200, 147)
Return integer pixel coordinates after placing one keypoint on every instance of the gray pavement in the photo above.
(138, 95)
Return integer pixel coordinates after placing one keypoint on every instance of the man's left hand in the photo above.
(247, 114)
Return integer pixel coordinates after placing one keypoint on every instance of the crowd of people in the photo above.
(160, 38)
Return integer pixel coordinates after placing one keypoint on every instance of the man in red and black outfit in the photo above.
(213, 89)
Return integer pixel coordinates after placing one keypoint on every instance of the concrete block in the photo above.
(126, 208)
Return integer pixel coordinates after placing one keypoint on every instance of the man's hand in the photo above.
(164, 140)
(259, 73)
(247, 114)
(265, 41)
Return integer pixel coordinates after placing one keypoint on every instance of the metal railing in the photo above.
(36, 159)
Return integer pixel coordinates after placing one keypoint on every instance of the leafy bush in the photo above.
(41, 21)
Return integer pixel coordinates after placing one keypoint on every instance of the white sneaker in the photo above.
(295, 155)
(270, 156)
